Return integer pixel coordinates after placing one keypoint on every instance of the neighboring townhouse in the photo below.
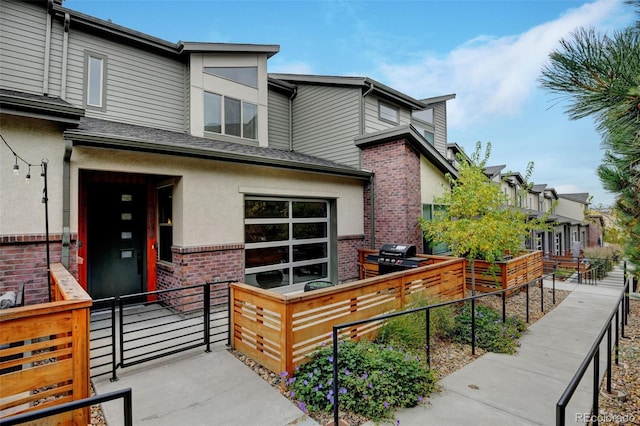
(573, 208)
(172, 164)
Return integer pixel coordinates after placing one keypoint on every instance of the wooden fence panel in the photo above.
(44, 352)
(280, 330)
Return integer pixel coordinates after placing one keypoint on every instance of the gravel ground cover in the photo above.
(625, 378)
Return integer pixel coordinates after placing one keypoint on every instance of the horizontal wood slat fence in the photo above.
(519, 270)
(280, 330)
(44, 352)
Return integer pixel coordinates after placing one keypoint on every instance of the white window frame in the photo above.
(222, 116)
(102, 78)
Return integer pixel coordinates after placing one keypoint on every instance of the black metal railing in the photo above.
(125, 394)
(427, 310)
(137, 328)
(620, 315)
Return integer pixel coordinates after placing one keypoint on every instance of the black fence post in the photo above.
(427, 314)
(617, 345)
(609, 336)
(335, 377)
(229, 302)
(596, 385)
(121, 316)
(541, 296)
(114, 363)
(527, 291)
(553, 283)
(206, 290)
(473, 326)
(504, 307)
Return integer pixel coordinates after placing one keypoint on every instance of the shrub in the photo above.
(374, 380)
(491, 333)
(408, 331)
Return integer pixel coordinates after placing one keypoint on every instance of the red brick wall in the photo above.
(23, 259)
(348, 246)
(397, 192)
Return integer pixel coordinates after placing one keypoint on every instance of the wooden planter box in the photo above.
(519, 270)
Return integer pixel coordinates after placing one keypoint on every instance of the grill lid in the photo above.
(398, 250)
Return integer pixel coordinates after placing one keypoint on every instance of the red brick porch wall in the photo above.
(348, 246)
(397, 192)
(23, 259)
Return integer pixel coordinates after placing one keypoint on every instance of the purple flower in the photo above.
(315, 388)
(343, 390)
(346, 372)
(420, 399)
(370, 385)
(386, 405)
(324, 344)
(330, 358)
(311, 375)
(284, 374)
(292, 394)
(302, 406)
(305, 383)
(315, 371)
(319, 385)
(365, 376)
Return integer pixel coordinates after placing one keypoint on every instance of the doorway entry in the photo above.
(116, 239)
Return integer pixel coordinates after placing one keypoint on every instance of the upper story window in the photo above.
(425, 115)
(389, 113)
(230, 116)
(95, 80)
(243, 75)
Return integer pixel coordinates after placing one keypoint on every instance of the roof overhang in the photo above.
(199, 47)
(41, 107)
(410, 134)
(83, 138)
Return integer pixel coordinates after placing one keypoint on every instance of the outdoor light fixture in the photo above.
(16, 168)
(27, 178)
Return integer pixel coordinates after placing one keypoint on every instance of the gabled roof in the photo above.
(511, 176)
(128, 137)
(39, 106)
(409, 133)
(364, 83)
(550, 193)
(538, 188)
(493, 171)
(582, 197)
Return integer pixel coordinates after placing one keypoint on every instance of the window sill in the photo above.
(163, 265)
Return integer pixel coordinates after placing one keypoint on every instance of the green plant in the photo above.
(374, 380)
(408, 331)
(491, 333)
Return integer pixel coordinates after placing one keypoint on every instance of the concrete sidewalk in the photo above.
(198, 388)
(523, 389)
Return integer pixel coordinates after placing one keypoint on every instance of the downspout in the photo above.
(65, 54)
(47, 50)
(291, 98)
(372, 196)
(66, 202)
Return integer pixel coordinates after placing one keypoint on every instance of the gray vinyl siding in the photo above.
(440, 124)
(142, 88)
(22, 40)
(372, 120)
(278, 120)
(325, 122)
(55, 61)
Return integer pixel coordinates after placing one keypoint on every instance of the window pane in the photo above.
(231, 117)
(389, 113)
(303, 231)
(249, 121)
(268, 279)
(310, 272)
(94, 86)
(212, 113)
(266, 256)
(265, 209)
(424, 115)
(243, 75)
(261, 233)
(309, 251)
(309, 209)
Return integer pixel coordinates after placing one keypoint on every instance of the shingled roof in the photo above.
(116, 135)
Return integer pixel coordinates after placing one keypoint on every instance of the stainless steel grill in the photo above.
(396, 257)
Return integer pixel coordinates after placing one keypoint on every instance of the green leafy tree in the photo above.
(478, 222)
(599, 76)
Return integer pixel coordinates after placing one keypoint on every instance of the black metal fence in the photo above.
(125, 394)
(137, 328)
(427, 311)
(619, 315)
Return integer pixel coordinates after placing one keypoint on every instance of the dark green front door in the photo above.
(116, 233)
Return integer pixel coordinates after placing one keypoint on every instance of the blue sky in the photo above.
(489, 53)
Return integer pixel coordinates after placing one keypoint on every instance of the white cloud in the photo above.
(492, 76)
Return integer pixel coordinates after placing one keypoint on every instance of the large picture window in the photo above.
(230, 116)
(286, 241)
(430, 212)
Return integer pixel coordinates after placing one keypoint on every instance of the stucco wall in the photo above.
(208, 197)
(432, 182)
